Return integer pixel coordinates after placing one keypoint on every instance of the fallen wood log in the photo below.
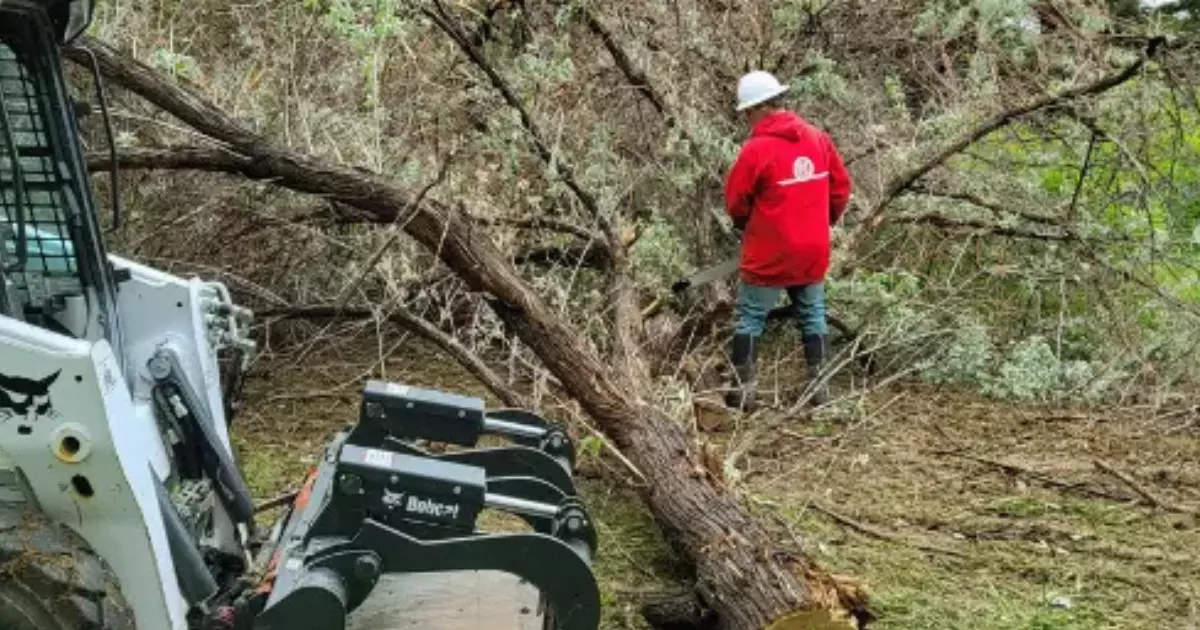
(676, 611)
(740, 573)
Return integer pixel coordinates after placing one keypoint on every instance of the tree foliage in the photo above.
(1065, 243)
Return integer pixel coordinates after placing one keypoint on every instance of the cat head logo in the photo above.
(25, 397)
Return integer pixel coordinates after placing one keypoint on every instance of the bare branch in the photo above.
(196, 158)
(1149, 497)
(985, 227)
(590, 253)
(879, 534)
(635, 76)
(444, 21)
(400, 315)
(872, 217)
(747, 579)
(987, 204)
(537, 223)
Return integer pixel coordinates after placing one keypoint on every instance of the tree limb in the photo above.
(195, 158)
(441, 17)
(987, 204)
(635, 76)
(740, 571)
(975, 225)
(641, 82)
(627, 320)
(400, 315)
(590, 253)
(873, 216)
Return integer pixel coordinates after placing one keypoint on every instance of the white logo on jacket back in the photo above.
(803, 171)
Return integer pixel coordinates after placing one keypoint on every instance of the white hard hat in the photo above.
(756, 88)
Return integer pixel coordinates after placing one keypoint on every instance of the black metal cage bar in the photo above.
(38, 186)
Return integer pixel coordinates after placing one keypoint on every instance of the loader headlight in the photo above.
(79, 19)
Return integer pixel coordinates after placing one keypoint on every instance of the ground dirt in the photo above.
(906, 490)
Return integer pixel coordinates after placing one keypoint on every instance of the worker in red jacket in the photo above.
(786, 189)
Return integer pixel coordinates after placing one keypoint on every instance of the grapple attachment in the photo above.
(379, 504)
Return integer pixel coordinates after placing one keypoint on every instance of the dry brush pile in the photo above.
(521, 182)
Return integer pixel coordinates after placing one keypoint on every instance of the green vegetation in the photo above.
(1031, 299)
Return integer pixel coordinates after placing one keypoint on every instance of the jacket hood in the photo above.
(781, 124)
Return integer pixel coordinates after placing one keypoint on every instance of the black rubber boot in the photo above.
(742, 395)
(815, 351)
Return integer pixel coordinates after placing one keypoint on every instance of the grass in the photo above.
(291, 411)
(1033, 557)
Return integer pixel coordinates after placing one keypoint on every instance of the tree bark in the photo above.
(676, 611)
(739, 571)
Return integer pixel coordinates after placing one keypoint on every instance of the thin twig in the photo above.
(612, 448)
(867, 530)
(1041, 477)
(277, 502)
(1142, 491)
(404, 317)
(397, 228)
(1087, 163)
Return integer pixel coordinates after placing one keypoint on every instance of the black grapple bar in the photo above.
(378, 504)
(401, 414)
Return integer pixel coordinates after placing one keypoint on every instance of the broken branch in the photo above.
(740, 571)
(873, 216)
(1014, 469)
(400, 315)
(872, 532)
(1149, 497)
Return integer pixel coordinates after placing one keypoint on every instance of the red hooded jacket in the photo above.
(787, 186)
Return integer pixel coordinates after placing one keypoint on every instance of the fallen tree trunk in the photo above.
(739, 571)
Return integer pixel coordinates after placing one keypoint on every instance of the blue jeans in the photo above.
(753, 304)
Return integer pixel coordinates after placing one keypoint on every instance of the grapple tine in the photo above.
(378, 505)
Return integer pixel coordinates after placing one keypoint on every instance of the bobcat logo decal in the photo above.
(23, 397)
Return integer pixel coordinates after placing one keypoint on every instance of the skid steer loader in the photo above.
(121, 502)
